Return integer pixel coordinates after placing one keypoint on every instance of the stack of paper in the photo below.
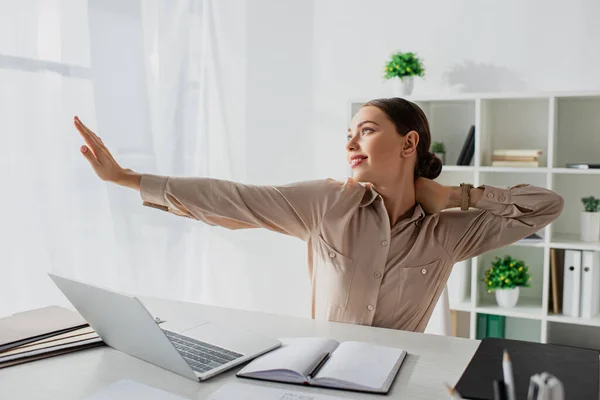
(42, 333)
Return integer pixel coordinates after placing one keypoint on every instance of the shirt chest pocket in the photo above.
(334, 274)
(417, 286)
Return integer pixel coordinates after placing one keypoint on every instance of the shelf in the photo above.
(533, 170)
(565, 319)
(458, 168)
(462, 306)
(575, 171)
(570, 241)
(525, 308)
(530, 243)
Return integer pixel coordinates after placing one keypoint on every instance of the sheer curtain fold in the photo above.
(148, 76)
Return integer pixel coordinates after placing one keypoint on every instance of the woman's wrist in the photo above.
(130, 179)
(455, 196)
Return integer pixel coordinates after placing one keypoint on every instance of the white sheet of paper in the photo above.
(126, 389)
(246, 391)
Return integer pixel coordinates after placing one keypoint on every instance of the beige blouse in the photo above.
(363, 270)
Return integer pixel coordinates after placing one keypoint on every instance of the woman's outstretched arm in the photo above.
(295, 209)
(498, 217)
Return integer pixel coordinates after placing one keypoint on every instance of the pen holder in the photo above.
(545, 386)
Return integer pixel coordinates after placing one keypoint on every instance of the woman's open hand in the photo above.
(103, 163)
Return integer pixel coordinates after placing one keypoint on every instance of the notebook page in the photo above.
(295, 354)
(362, 365)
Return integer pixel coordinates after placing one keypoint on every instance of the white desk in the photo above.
(431, 361)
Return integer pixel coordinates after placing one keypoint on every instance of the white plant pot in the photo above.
(507, 298)
(590, 226)
(403, 87)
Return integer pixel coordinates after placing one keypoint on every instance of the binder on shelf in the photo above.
(572, 283)
(481, 326)
(590, 283)
(490, 326)
(557, 257)
(496, 326)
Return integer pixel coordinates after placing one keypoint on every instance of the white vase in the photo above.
(507, 298)
(589, 224)
(403, 86)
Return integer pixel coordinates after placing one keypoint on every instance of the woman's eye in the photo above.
(366, 130)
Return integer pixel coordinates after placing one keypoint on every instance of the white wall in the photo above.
(306, 59)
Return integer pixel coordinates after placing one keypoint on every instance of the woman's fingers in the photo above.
(87, 153)
(90, 141)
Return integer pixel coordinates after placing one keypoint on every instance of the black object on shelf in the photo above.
(468, 149)
(583, 165)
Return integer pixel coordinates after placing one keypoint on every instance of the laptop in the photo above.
(124, 324)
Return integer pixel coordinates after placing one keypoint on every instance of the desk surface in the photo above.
(431, 361)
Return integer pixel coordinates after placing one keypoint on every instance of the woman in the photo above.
(379, 251)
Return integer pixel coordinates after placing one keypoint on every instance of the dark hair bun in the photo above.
(430, 166)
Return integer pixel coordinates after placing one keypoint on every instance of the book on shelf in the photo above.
(517, 152)
(584, 165)
(557, 257)
(466, 153)
(324, 362)
(526, 164)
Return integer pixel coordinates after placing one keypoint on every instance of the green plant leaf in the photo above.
(403, 64)
(507, 273)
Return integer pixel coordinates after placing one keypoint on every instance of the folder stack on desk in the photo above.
(41, 333)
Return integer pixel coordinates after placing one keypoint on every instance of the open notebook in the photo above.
(325, 362)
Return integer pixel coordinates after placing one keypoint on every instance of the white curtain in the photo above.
(158, 81)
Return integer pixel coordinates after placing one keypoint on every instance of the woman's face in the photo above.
(377, 153)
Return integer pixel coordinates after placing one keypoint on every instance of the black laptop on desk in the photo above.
(578, 369)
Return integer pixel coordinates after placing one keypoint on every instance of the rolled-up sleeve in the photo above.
(294, 209)
(500, 217)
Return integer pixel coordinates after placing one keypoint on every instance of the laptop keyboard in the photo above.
(202, 357)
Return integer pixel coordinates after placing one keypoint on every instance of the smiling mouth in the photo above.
(356, 161)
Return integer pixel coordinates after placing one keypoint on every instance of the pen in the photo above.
(454, 395)
(499, 390)
(318, 366)
(508, 376)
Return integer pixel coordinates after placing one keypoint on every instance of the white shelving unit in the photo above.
(566, 126)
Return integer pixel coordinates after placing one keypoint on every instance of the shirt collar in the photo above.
(371, 195)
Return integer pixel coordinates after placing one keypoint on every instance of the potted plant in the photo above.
(401, 69)
(590, 219)
(439, 150)
(505, 277)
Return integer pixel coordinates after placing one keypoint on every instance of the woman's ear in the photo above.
(410, 143)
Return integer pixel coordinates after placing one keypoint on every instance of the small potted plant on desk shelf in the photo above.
(439, 150)
(505, 277)
(590, 219)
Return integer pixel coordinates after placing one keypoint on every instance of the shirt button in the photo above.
(491, 195)
(377, 274)
(501, 198)
(423, 271)
(370, 307)
(332, 254)
(384, 243)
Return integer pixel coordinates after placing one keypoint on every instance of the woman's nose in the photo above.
(352, 145)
